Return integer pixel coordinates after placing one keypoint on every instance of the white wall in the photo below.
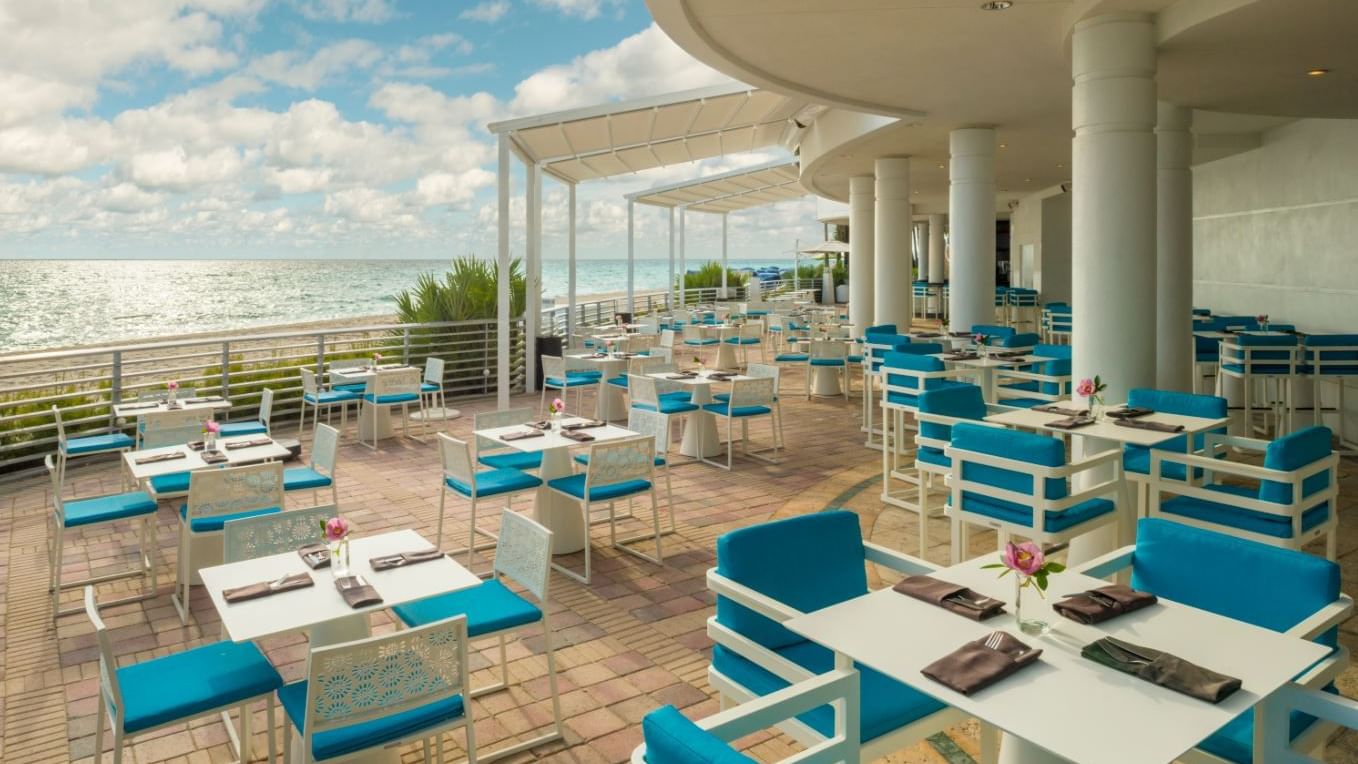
(1043, 221)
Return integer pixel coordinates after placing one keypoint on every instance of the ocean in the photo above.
(47, 304)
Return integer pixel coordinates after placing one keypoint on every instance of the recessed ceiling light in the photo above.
(940, 167)
(996, 5)
(1004, 145)
(1317, 72)
(1059, 166)
(1027, 180)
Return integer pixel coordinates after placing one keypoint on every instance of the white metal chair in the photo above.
(422, 675)
(432, 385)
(523, 554)
(618, 469)
(215, 498)
(937, 412)
(73, 515)
(110, 443)
(696, 338)
(317, 398)
(1256, 360)
(903, 378)
(320, 473)
(494, 453)
(750, 334)
(557, 376)
(832, 354)
(656, 425)
(263, 535)
(159, 429)
(388, 389)
(761, 371)
(750, 399)
(257, 426)
(461, 476)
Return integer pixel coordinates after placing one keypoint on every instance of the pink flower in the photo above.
(377, 356)
(978, 338)
(558, 405)
(172, 385)
(212, 427)
(1085, 388)
(1025, 558)
(336, 528)
(1261, 318)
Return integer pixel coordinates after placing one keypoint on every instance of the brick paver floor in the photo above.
(632, 641)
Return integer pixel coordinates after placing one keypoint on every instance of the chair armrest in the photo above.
(897, 561)
(1325, 670)
(1107, 564)
(1238, 441)
(1324, 619)
(1240, 469)
(1275, 720)
(1089, 462)
(743, 595)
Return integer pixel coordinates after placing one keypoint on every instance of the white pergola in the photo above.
(614, 139)
(720, 195)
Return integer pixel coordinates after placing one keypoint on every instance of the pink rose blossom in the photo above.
(212, 427)
(1025, 558)
(558, 405)
(1085, 388)
(336, 528)
(172, 385)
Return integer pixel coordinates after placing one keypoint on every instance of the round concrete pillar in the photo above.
(1174, 248)
(971, 211)
(892, 243)
(861, 265)
(938, 268)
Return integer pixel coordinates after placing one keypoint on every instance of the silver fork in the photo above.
(994, 640)
(280, 581)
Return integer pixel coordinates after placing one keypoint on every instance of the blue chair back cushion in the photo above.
(1020, 340)
(1052, 351)
(1292, 452)
(960, 402)
(1009, 444)
(912, 362)
(1267, 586)
(1184, 404)
(1344, 362)
(918, 348)
(993, 330)
(806, 562)
(880, 329)
(672, 739)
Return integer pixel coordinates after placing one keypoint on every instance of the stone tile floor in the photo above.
(632, 641)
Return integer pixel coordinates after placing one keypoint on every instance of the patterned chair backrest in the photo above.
(666, 338)
(172, 428)
(651, 423)
(662, 353)
(752, 330)
(643, 389)
(762, 370)
(683, 315)
(554, 366)
(325, 448)
(309, 385)
(752, 392)
(233, 490)
(457, 458)
(618, 461)
(252, 537)
(412, 667)
(433, 370)
(489, 420)
(523, 552)
(827, 349)
(394, 382)
(266, 406)
(774, 320)
(692, 332)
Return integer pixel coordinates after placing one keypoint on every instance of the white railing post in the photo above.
(115, 387)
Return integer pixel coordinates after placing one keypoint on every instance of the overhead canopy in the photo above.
(827, 247)
(729, 191)
(630, 136)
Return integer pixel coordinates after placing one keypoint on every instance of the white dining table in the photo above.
(700, 427)
(726, 352)
(136, 409)
(559, 513)
(984, 369)
(609, 404)
(1066, 708)
(352, 375)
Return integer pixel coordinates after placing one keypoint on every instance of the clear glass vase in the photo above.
(556, 420)
(1032, 626)
(339, 558)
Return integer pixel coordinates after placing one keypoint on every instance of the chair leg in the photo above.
(55, 574)
(471, 534)
(923, 512)
(443, 496)
(99, 727)
(269, 725)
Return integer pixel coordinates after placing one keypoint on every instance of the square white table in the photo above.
(609, 404)
(1067, 705)
(561, 515)
(193, 460)
(700, 427)
(137, 409)
(985, 368)
(354, 375)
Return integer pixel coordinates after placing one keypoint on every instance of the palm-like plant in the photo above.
(467, 292)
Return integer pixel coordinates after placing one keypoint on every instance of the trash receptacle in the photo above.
(622, 317)
(549, 345)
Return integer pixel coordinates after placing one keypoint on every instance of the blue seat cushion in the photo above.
(584, 459)
(490, 607)
(725, 409)
(189, 683)
(1226, 514)
(667, 406)
(593, 374)
(791, 358)
(333, 396)
(672, 739)
(428, 387)
(1235, 741)
(742, 340)
(175, 482)
(353, 387)
(931, 455)
(703, 341)
(571, 380)
(575, 486)
(302, 478)
(93, 443)
(727, 396)
(215, 523)
(369, 734)
(106, 508)
(495, 481)
(618, 381)
(243, 428)
(830, 361)
(1053, 522)
(387, 400)
(512, 460)
(885, 704)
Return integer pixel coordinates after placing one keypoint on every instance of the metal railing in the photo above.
(84, 384)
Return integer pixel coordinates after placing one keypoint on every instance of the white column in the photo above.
(631, 254)
(532, 273)
(971, 211)
(683, 282)
(570, 263)
(892, 242)
(502, 281)
(921, 240)
(672, 290)
(1174, 248)
(938, 271)
(861, 266)
(724, 295)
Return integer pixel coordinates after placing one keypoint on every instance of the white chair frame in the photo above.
(1062, 381)
(637, 461)
(433, 375)
(311, 386)
(1317, 379)
(458, 462)
(254, 537)
(556, 366)
(832, 349)
(774, 372)
(926, 471)
(1281, 405)
(652, 423)
(394, 382)
(62, 457)
(324, 456)
(158, 429)
(896, 444)
(754, 391)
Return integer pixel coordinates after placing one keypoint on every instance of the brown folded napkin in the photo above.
(1052, 408)
(1071, 423)
(927, 334)
(1099, 605)
(577, 436)
(252, 443)
(960, 356)
(357, 592)
(266, 588)
(152, 459)
(213, 457)
(949, 596)
(723, 375)
(521, 435)
(584, 425)
(680, 376)
(1130, 412)
(204, 399)
(977, 665)
(541, 424)
(1012, 355)
(315, 555)
(1141, 424)
(1156, 667)
(400, 559)
(174, 406)
(959, 334)
(137, 406)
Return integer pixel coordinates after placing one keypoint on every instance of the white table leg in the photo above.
(726, 356)
(825, 380)
(986, 376)
(610, 406)
(1105, 538)
(365, 422)
(700, 427)
(557, 512)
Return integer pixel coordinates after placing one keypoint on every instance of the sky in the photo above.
(326, 128)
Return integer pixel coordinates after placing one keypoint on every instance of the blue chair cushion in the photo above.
(993, 330)
(667, 406)
(332, 396)
(355, 387)
(428, 387)
(727, 396)
(853, 358)
(618, 381)
(593, 374)
(175, 482)
(189, 683)
(215, 523)
(1019, 446)
(725, 409)
(806, 562)
(369, 734)
(1257, 368)
(512, 460)
(880, 329)
(105, 508)
(303, 478)
(1235, 741)
(1138, 460)
(791, 358)
(961, 401)
(703, 341)
(571, 380)
(931, 455)
(1232, 516)
(584, 459)
(1053, 522)
(92, 443)
(243, 428)
(830, 361)
(495, 481)
(490, 607)
(672, 739)
(885, 704)
(1293, 452)
(575, 486)
(394, 398)
(742, 340)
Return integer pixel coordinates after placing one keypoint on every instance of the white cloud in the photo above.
(291, 69)
(585, 9)
(442, 188)
(177, 169)
(366, 11)
(487, 12)
(299, 180)
(127, 197)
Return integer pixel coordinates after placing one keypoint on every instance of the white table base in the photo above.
(825, 380)
(609, 404)
(700, 427)
(365, 422)
(726, 356)
(560, 514)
